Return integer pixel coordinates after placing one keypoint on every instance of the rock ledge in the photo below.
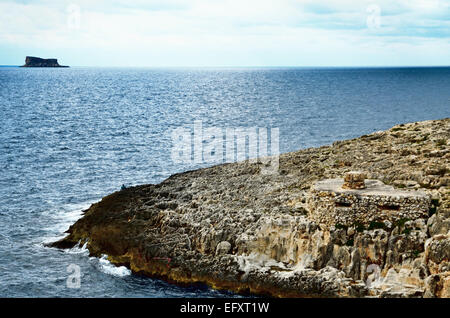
(233, 227)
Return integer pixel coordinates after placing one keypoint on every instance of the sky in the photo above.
(166, 33)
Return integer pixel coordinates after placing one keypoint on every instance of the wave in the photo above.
(78, 249)
(62, 219)
(107, 267)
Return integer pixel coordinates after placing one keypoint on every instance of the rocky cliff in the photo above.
(31, 61)
(234, 228)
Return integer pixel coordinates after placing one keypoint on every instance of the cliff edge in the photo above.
(234, 228)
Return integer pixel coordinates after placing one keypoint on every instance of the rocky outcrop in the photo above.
(235, 228)
(31, 61)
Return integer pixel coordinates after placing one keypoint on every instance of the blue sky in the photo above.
(227, 32)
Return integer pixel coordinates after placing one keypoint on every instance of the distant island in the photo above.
(31, 61)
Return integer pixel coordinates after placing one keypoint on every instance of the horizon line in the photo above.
(244, 66)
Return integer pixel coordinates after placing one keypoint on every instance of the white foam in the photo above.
(60, 220)
(77, 249)
(66, 216)
(106, 267)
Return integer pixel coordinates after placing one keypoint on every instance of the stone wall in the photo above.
(329, 204)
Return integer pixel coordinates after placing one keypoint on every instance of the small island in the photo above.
(31, 61)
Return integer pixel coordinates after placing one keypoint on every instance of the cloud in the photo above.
(229, 32)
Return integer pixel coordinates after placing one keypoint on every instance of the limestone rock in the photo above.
(223, 247)
(354, 180)
(233, 227)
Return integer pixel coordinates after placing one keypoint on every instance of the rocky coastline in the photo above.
(232, 227)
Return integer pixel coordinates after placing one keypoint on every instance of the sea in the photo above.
(68, 137)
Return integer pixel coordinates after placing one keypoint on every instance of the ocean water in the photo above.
(71, 136)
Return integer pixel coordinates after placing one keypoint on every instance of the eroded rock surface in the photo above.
(232, 227)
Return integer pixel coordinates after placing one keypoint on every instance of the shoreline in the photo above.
(231, 227)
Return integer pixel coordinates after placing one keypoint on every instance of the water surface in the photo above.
(71, 136)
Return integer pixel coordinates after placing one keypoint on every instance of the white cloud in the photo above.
(231, 32)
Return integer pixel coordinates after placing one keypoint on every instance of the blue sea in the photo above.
(69, 137)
